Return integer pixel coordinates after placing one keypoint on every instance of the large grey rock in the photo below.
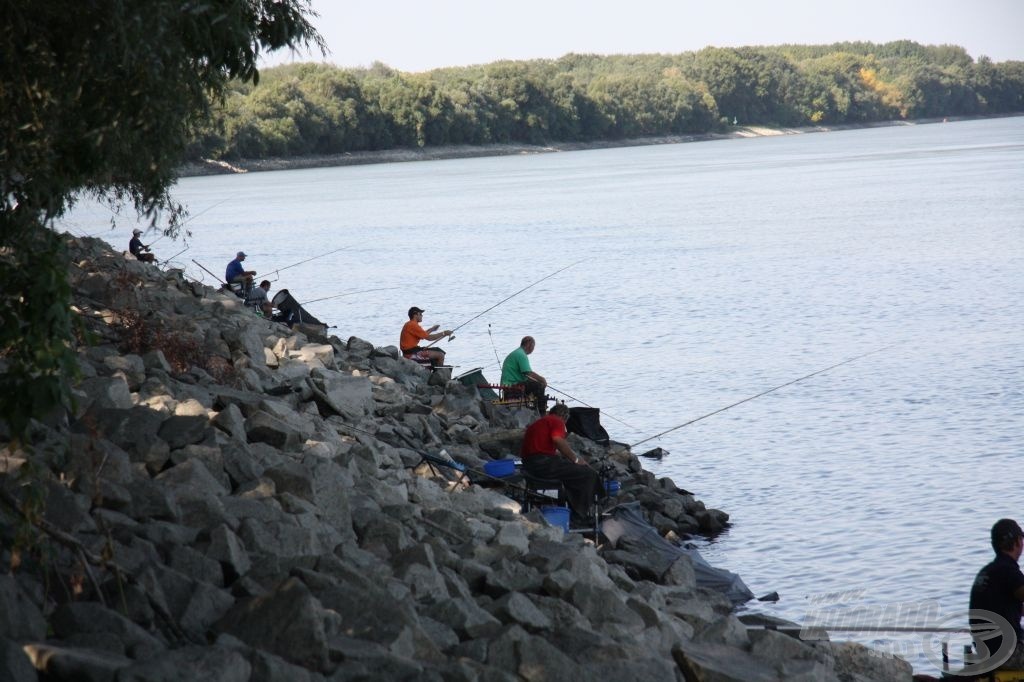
(107, 392)
(181, 430)
(344, 394)
(196, 605)
(465, 617)
(56, 662)
(231, 421)
(228, 549)
(261, 427)
(275, 538)
(214, 663)
(289, 622)
(135, 430)
(15, 665)
(857, 662)
(517, 608)
(150, 500)
(75, 618)
(68, 510)
(197, 493)
(292, 477)
(20, 618)
(706, 662)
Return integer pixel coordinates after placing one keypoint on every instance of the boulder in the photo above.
(20, 618)
(54, 662)
(261, 427)
(15, 665)
(190, 663)
(75, 618)
(288, 622)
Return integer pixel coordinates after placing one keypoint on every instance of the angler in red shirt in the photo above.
(547, 454)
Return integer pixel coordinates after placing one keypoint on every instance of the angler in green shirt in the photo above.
(516, 371)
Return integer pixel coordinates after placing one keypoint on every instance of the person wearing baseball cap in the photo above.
(236, 274)
(138, 249)
(413, 333)
(998, 589)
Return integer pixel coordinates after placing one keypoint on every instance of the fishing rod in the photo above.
(762, 393)
(348, 293)
(168, 260)
(508, 298)
(210, 273)
(493, 347)
(190, 219)
(304, 261)
(570, 397)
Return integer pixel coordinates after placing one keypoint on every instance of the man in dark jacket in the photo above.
(998, 590)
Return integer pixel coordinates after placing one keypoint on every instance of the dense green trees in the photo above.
(103, 97)
(316, 108)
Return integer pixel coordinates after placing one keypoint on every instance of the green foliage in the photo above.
(320, 109)
(105, 98)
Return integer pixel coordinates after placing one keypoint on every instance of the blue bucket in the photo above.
(612, 488)
(500, 468)
(556, 516)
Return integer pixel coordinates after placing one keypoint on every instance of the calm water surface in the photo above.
(711, 272)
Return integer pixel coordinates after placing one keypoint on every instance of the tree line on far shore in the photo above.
(322, 109)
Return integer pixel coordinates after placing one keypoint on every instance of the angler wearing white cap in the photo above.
(138, 249)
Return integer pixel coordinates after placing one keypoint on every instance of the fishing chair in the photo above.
(509, 396)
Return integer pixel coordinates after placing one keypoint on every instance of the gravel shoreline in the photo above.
(212, 167)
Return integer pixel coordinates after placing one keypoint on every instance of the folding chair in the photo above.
(433, 462)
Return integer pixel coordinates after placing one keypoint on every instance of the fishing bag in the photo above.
(586, 422)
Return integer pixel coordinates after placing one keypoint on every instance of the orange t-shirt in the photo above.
(412, 334)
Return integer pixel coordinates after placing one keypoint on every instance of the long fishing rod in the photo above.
(168, 260)
(304, 261)
(508, 298)
(570, 397)
(190, 219)
(210, 273)
(762, 393)
(347, 293)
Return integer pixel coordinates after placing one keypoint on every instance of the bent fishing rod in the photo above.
(762, 393)
(508, 298)
(278, 271)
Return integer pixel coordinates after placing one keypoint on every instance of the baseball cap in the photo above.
(414, 310)
(240, 254)
(136, 231)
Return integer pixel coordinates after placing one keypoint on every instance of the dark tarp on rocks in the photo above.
(627, 529)
(291, 312)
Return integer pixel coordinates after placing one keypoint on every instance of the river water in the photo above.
(704, 274)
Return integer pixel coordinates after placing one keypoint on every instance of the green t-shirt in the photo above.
(515, 367)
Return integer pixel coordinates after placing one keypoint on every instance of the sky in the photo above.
(423, 35)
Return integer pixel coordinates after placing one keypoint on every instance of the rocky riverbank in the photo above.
(233, 500)
(213, 167)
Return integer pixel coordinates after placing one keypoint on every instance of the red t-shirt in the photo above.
(540, 435)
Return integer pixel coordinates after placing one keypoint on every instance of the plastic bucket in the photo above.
(556, 516)
(612, 488)
(500, 468)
